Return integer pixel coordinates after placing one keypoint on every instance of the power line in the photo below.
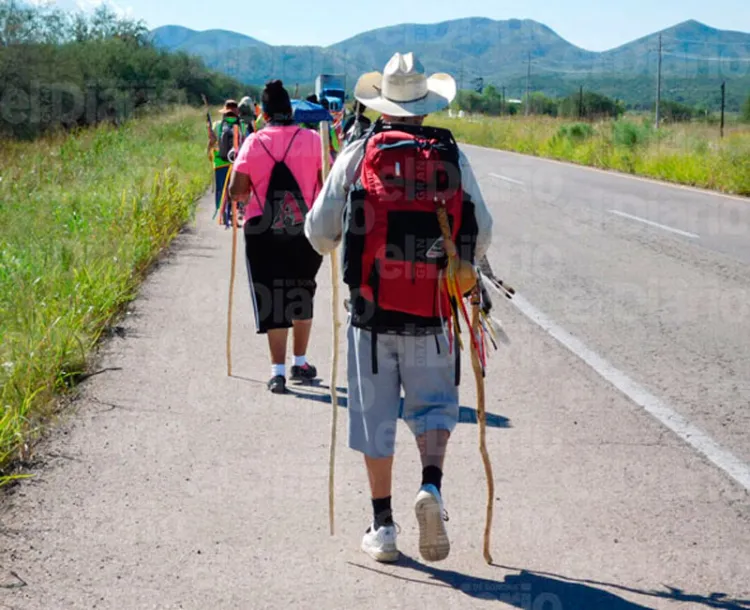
(727, 59)
(705, 42)
(558, 71)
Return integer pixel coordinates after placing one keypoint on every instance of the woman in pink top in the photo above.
(280, 168)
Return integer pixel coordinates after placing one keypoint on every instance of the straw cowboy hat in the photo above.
(404, 90)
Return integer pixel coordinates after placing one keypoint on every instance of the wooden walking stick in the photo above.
(209, 126)
(233, 271)
(209, 147)
(462, 278)
(325, 138)
(232, 275)
(482, 419)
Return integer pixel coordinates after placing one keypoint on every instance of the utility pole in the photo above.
(580, 103)
(528, 86)
(658, 88)
(502, 106)
(723, 105)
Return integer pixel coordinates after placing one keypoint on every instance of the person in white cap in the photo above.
(382, 199)
(246, 110)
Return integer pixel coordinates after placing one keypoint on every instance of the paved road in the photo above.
(173, 486)
(670, 309)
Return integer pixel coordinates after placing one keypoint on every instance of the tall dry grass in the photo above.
(81, 219)
(690, 154)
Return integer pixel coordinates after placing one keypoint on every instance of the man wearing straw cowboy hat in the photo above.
(398, 335)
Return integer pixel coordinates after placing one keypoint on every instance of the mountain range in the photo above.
(696, 58)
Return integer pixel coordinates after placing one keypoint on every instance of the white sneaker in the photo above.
(431, 516)
(381, 544)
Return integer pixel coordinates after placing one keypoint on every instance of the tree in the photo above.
(470, 101)
(594, 106)
(746, 110)
(541, 104)
(676, 112)
(77, 69)
(45, 24)
(493, 100)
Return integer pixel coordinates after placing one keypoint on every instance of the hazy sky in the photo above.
(593, 25)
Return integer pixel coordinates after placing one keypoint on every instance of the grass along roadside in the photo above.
(689, 154)
(81, 219)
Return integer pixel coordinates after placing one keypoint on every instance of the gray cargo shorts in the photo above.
(426, 370)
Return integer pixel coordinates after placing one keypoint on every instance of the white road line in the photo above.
(506, 179)
(689, 433)
(613, 173)
(656, 224)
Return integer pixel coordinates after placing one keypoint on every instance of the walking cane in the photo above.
(231, 288)
(325, 138)
(209, 150)
(478, 358)
(482, 420)
(234, 261)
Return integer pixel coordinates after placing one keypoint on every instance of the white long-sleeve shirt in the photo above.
(324, 222)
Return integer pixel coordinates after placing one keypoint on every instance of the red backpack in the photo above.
(393, 253)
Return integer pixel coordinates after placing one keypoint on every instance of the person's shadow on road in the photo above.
(543, 591)
(317, 393)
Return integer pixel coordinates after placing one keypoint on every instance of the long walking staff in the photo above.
(209, 125)
(233, 271)
(478, 313)
(325, 151)
(459, 277)
(209, 150)
(232, 275)
(479, 374)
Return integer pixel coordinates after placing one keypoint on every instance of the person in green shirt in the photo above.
(223, 155)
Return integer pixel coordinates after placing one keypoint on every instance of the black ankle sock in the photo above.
(382, 511)
(432, 475)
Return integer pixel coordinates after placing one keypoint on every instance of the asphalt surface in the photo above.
(170, 485)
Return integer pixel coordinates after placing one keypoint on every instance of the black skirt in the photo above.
(281, 270)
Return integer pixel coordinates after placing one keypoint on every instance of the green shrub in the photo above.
(630, 135)
(575, 131)
(594, 106)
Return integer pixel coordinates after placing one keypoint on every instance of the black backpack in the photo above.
(285, 209)
(226, 139)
